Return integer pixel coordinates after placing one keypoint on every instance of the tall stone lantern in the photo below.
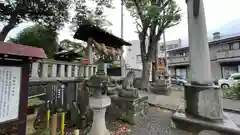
(108, 47)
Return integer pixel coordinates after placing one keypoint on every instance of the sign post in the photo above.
(15, 63)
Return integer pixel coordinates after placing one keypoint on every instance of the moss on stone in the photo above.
(35, 101)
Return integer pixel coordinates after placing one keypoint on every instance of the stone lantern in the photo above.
(106, 45)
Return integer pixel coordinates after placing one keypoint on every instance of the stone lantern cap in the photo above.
(21, 51)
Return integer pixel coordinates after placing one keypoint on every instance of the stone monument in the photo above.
(203, 101)
(128, 106)
(127, 87)
(161, 87)
(163, 83)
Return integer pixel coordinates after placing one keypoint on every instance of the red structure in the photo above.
(15, 63)
(85, 61)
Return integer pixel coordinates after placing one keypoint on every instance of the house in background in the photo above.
(224, 56)
(133, 55)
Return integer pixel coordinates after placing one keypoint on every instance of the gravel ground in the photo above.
(156, 122)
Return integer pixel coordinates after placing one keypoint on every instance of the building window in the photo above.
(231, 47)
(228, 70)
(138, 57)
(183, 54)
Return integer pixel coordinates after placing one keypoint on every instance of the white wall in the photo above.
(134, 50)
(131, 55)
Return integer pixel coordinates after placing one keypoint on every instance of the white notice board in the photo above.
(10, 81)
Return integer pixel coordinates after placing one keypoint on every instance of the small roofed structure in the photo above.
(84, 32)
(105, 43)
(69, 54)
(17, 50)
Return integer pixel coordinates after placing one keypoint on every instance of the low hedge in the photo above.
(232, 92)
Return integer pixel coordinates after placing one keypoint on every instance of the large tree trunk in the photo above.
(154, 73)
(144, 85)
(7, 28)
(145, 74)
(147, 60)
(155, 65)
(152, 50)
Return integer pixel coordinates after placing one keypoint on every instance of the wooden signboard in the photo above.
(14, 77)
(13, 96)
(10, 80)
(161, 66)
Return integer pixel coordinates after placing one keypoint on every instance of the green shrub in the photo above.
(233, 92)
(43, 132)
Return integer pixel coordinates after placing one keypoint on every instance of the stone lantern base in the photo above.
(99, 105)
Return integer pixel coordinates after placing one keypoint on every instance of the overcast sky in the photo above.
(218, 13)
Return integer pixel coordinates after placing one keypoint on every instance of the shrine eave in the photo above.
(12, 49)
(84, 32)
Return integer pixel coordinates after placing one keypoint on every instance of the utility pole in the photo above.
(165, 51)
(122, 59)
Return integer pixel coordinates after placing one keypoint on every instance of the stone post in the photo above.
(90, 52)
(202, 99)
(99, 105)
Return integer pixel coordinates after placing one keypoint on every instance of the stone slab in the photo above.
(193, 124)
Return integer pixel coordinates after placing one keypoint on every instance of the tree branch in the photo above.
(139, 11)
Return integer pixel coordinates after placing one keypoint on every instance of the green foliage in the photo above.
(163, 13)
(43, 132)
(51, 13)
(70, 44)
(38, 36)
(105, 59)
(116, 64)
(232, 93)
(35, 101)
(152, 17)
(91, 15)
(78, 47)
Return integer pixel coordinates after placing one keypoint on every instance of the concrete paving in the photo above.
(235, 118)
(171, 102)
(176, 98)
(156, 122)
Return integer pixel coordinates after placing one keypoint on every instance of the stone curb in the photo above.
(162, 107)
(232, 110)
(172, 109)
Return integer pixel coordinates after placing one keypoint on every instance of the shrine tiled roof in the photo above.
(7, 48)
